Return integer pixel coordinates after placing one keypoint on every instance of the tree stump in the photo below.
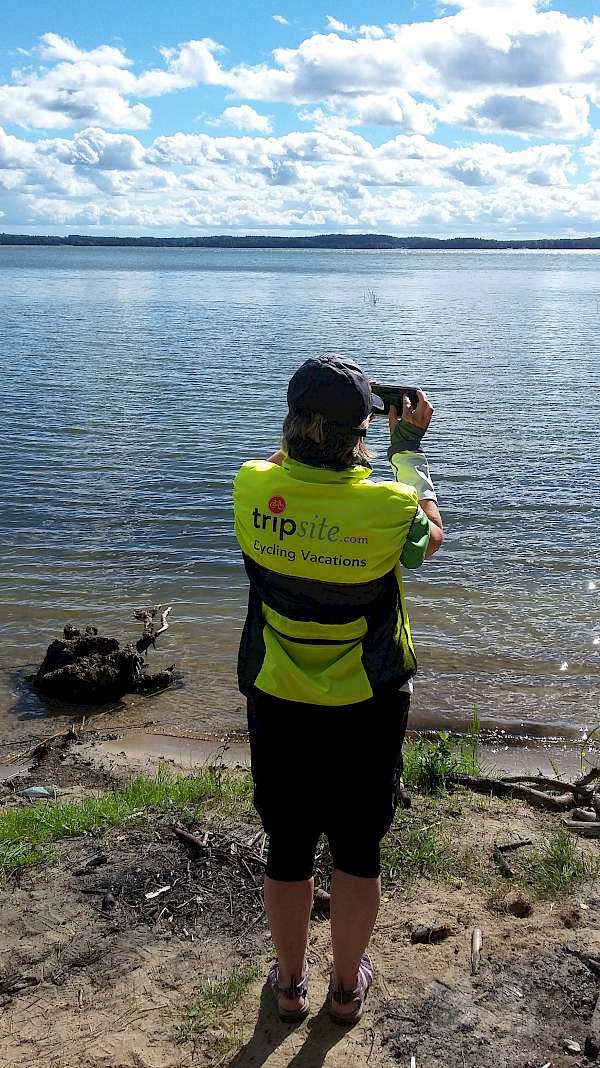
(92, 669)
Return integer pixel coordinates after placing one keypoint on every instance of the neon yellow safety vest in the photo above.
(327, 623)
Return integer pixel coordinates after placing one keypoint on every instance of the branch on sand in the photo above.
(579, 800)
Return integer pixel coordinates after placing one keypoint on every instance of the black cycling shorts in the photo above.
(326, 770)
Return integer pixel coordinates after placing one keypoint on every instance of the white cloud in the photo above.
(529, 71)
(244, 118)
(281, 19)
(337, 26)
(534, 112)
(39, 107)
(82, 88)
(192, 63)
(374, 32)
(54, 47)
(98, 148)
(381, 109)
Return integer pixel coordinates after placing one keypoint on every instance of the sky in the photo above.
(287, 117)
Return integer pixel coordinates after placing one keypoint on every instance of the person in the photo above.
(326, 659)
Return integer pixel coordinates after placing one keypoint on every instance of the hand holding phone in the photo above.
(419, 414)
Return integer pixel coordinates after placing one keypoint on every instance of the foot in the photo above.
(346, 1006)
(291, 1000)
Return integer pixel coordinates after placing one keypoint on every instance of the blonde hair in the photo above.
(311, 439)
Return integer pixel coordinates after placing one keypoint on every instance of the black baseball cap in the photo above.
(336, 388)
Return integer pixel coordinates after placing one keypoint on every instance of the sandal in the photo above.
(339, 996)
(298, 988)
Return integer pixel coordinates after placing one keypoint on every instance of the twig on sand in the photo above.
(476, 944)
(507, 847)
(190, 839)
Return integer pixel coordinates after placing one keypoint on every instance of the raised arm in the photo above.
(409, 462)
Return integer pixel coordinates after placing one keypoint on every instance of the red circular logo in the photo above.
(277, 505)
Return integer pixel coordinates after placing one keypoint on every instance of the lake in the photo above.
(135, 382)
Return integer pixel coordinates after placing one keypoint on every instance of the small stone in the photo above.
(570, 1046)
(109, 902)
(517, 904)
(321, 900)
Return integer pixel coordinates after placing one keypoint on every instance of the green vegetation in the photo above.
(559, 866)
(19, 856)
(419, 846)
(216, 997)
(429, 762)
(23, 830)
(412, 850)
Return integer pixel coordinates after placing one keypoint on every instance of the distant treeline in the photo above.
(322, 241)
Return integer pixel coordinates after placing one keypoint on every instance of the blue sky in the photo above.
(479, 116)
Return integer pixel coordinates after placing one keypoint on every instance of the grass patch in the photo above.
(22, 830)
(559, 866)
(413, 850)
(429, 761)
(20, 856)
(217, 997)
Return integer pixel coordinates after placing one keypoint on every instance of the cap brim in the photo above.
(377, 404)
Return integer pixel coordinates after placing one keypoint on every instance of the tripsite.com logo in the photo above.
(317, 528)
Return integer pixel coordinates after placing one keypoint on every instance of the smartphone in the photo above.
(394, 395)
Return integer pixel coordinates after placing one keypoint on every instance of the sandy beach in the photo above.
(124, 947)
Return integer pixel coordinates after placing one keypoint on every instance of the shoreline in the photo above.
(138, 750)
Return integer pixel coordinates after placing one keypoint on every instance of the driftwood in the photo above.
(190, 840)
(151, 632)
(542, 782)
(14, 983)
(90, 668)
(585, 830)
(584, 815)
(510, 788)
(242, 854)
(579, 801)
(207, 845)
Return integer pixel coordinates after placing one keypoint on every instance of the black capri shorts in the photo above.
(326, 770)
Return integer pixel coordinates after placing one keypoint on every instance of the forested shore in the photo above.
(315, 241)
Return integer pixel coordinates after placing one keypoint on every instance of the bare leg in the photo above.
(354, 908)
(288, 906)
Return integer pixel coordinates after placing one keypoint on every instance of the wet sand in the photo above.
(127, 752)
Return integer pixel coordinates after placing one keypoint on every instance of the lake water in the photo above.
(135, 381)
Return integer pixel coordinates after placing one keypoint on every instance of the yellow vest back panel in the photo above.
(327, 623)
